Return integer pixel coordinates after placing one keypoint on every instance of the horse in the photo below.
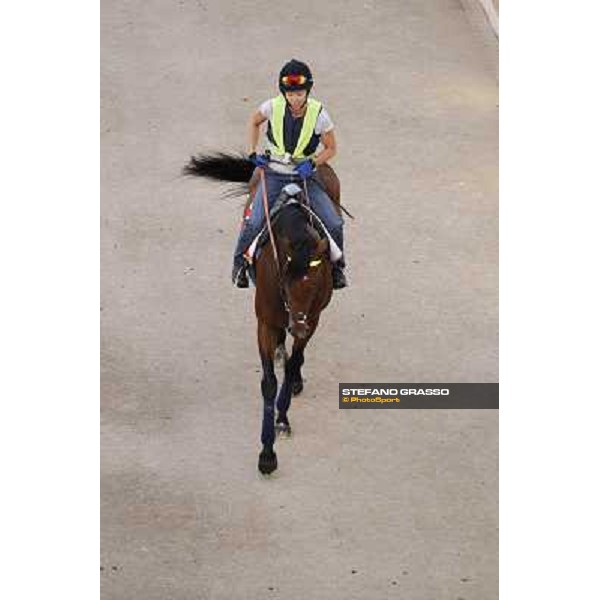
(293, 278)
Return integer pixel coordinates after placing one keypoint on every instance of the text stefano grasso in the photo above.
(396, 391)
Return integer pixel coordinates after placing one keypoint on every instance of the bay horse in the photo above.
(293, 286)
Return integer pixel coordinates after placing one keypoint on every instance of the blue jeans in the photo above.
(319, 202)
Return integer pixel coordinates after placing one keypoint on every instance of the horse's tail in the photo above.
(220, 166)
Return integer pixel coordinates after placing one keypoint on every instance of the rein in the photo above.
(308, 203)
(268, 219)
(316, 179)
(272, 238)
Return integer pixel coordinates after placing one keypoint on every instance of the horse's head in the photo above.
(305, 268)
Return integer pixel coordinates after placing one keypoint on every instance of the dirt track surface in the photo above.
(365, 505)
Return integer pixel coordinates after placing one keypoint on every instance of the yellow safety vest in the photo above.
(308, 126)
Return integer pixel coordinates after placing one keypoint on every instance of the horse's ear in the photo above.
(322, 246)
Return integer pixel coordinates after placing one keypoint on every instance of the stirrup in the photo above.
(240, 279)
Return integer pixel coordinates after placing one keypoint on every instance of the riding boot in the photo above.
(239, 276)
(339, 278)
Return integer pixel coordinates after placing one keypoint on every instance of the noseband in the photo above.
(297, 317)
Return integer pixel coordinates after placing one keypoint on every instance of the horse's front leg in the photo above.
(296, 373)
(292, 383)
(296, 382)
(267, 342)
(292, 366)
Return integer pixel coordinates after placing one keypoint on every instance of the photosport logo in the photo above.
(419, 395)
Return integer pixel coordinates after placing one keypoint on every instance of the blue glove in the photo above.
(259, 160)
(306, 168)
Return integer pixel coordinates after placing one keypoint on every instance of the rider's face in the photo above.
(296, 99)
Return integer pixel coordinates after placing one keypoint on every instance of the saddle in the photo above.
(291, 193)
(325, 176)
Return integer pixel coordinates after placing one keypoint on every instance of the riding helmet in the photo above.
(295, 75)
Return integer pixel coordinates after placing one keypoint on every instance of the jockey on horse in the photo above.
(298, 126)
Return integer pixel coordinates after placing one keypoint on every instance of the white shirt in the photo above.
(324, 122)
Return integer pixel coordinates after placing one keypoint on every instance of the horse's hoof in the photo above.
(283, 429)
(297, 387)
(267, 462)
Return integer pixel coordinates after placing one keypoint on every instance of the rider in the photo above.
(297, 128)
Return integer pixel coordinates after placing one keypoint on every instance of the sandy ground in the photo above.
(366, 504)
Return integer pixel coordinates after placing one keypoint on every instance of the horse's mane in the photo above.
(292, 224)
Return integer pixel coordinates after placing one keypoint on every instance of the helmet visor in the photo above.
(289, 80)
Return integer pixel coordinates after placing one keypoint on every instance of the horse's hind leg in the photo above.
(267, 342)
